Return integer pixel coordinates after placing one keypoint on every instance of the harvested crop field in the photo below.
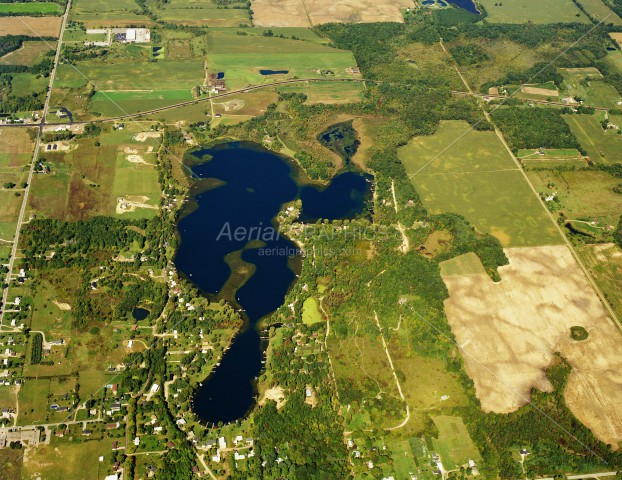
(31, 26)
(307, 13)
(509, 331)
(29, 54)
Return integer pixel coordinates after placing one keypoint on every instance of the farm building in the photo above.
(132, 35)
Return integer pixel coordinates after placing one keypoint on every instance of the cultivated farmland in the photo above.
(509, 331)
(43, 8)
(104, 13)
(601, 146)
(299, 13)
(30, 26)
(523, 11)
(599, 11)
(29, 54)
(242, 57)
(605, 264)
(453, 171)
(202, 12)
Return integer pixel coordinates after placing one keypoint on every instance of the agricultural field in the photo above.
(453, 169)
(88, 179)
(16, 148)
(600, 12)
(104, 13)
(586, 196)
(307, 13)
(601, 146)
(523, 11)
(42, 8)
(242, 57)
(509, 331)
(202, 13)
(328, 92)
(30, 26)
(604, 261)
(130, 88)
(29, 54)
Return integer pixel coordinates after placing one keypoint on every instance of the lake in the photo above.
(252, 186)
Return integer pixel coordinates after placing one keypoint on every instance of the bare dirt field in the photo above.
(31, 26)
(306, 13)
(540, 91)
(508, 332)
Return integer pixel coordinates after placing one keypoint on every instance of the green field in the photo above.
(27, 83)
(79, 460)
(44, 8)
(328, 92)
(457, 169)
(454, 444)
(601, 146)
(551, 158)
(112, 104)
(583, 195)
(241, 58)
(534, 11)
(107, 13)
(202, 13)
(29, 54)
(587, 83)
(599, 11)
(605, 264)
(33, 401)
(466, 264)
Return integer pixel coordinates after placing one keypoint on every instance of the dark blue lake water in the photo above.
(468, 5)
(273, 72)
(254, 183)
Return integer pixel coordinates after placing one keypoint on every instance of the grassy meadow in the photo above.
(29, 54)
(604, 262)
(456, 170)
(28, 8)
(202, 13)
(534, 11)
(599, 11)
(601, 146)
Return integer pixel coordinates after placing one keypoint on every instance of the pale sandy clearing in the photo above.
(540, 91)
(136, 159)
(65, 307)
(143, 136)
(130, 150)
(131, 203)
(306, 13)
(275, 393)
(508, 332)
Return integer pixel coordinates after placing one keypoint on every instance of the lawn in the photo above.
(470, 173)
(599, 11)
(601, 146)
(454, 444)
(534, 11)
(605, 264)
(44, 8)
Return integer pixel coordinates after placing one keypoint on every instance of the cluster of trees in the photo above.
(535, 128)
(468, 54)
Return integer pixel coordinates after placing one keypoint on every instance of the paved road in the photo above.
(35, 155)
